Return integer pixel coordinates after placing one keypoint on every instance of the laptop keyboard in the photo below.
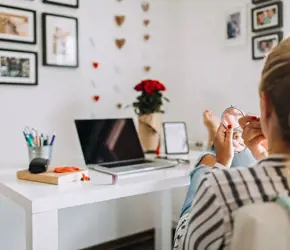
(123, 164)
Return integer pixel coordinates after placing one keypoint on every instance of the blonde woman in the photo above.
(209, 223)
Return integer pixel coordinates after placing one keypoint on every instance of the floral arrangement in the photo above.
(151, 98)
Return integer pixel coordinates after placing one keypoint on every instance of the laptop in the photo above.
(113, 146)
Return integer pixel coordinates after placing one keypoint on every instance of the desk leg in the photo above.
(42, 231)
(163, 228)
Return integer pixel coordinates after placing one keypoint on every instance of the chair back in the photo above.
(264, 226)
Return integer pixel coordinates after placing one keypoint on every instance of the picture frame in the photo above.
(267, 17)
(17, 25)
(260, 1)
(263, 44)
(18, 67)
(60, 41)
(64, 3)
(175, 138)
(236, 29)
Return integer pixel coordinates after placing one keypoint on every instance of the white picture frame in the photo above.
(235, 26)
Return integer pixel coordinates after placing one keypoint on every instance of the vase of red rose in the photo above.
(148, 107)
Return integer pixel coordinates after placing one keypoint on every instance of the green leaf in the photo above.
(166, 99)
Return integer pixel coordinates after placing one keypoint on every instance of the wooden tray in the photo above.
(50, 177)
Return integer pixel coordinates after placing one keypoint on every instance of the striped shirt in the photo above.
(209, 225)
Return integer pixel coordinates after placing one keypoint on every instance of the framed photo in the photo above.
(236, 26)
(263, 44)
(18, 67)
(267, 17)
(175, 138)
(259, 1)
(66, 3)
(60, 41)
(17, 25)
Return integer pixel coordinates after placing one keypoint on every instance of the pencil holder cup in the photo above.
(44, 152)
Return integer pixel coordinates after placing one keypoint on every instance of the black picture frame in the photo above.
(166, 141)
(63, 4)
(44, 40)
(278, 34)
(279, 5)
(260, 1)
(34, 30)
(35, 54)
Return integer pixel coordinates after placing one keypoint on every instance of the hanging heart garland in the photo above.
(120, 20)
(120, 43)
(145, 7)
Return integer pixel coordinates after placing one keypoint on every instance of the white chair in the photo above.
(264, 226)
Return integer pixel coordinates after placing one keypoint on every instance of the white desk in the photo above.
(42, 202)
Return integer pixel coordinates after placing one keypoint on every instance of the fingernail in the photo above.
(229, 126)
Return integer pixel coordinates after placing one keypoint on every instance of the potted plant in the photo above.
(148, 107)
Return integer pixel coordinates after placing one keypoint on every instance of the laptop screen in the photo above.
(108, 140)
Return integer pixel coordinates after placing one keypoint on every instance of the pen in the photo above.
(25, 137)
(36, 139)
(52, 140)
(29, 140)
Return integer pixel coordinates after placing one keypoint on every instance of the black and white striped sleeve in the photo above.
(205, 225)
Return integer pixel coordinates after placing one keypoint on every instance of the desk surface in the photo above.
(43, 197)
(39, 197)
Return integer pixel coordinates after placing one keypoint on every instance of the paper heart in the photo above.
(147, 68)
(146, 22)
(146, 37)
(120, 43)
(145, 7)
(96, 98)
(119, 20)
(95, 65)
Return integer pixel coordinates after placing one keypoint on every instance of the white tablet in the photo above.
(175, 138)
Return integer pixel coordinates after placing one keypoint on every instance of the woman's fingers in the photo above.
(245, 120)
(250, 133)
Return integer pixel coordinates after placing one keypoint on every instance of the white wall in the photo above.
(186, 52)
(65, 94)
(213, 76)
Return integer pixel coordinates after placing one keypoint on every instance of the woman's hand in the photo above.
(253, 136)
(223, 144)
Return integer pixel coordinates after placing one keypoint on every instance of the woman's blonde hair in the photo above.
(275, 82)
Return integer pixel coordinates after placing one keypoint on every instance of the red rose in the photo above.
(160, 86)
(149, 88)
(139, 87)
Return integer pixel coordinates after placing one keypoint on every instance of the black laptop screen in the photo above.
(108, 140)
